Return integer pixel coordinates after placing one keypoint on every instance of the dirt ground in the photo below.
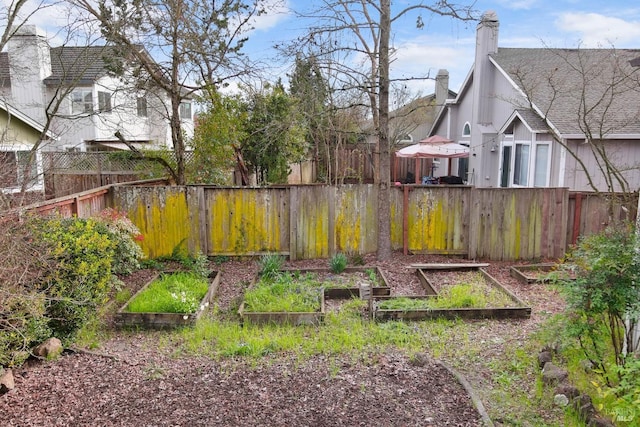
(128, 381)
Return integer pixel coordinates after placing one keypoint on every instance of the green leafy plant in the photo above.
(603, 298)
(83, 252)
(270, 266)
(338, 263)
(124, 234)
(179, 292)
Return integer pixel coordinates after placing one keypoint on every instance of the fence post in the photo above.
(293, 223)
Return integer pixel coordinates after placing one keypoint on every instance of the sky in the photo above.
(444, 43)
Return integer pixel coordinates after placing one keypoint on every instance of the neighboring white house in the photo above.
(523, 112)
(96, 104)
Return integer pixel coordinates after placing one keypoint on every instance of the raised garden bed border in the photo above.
(125, 319)
(382, 288)
(519, 272)
(518, 311)
(280, 317)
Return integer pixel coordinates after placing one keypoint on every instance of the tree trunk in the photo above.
(384, 214)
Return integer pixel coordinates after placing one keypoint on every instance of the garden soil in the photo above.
(132, 381)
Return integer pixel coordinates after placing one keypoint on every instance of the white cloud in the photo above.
(424, 56)
(596, 30)
(277, 11)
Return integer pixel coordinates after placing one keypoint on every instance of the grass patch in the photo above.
(462, 295)
(179, 292)
(283, 293)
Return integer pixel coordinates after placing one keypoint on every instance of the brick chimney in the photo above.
(29, 64)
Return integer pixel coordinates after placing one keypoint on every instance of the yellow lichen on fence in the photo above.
(162, 218)
(246, 221)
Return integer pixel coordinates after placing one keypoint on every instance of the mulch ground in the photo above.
(128, 381)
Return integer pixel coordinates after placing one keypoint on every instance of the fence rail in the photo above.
(316, 221)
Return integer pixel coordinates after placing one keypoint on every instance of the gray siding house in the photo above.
(547, 117)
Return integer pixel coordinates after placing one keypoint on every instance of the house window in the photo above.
(142, 106)
(466, 130)
(185, 110)
(18, 167)
(81, 101)
(521, 165)
(104, 102)
(541, 167)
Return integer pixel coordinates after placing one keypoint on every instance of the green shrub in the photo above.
(124, 234)
(338, 263)
(604, 294)
(83, 253)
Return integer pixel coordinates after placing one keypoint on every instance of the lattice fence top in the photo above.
(116, 161)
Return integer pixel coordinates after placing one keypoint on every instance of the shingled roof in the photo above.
(562, 82)
(80, 65)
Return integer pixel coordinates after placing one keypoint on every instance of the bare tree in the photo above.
(592, 94)
(179, 46)
(360, 32)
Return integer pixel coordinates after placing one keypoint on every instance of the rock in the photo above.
(584, 406)
(544, 357)
(6, 381)
(560, 400)
(568, 390)
(598, 421)
(551, 374)
(51, 348)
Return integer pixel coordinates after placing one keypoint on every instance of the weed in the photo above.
(338, 263)
(153, 372)
(270, 266)
(283, 294)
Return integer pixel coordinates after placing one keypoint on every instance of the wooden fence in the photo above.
(316, 221)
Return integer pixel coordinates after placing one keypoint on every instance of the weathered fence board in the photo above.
(356, 219)
(435, 219)
(510, 224)
(310, 213)
(247, 221)
(591, 212)
(316, 221)
(163, 217)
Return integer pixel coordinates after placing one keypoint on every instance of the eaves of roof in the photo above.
(560, 82)
(14, 112)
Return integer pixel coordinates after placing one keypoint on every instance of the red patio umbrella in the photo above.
(433, 147)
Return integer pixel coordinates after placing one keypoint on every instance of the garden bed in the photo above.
(453, 298)
(165, 320)
(285, 298)
(535, 273)
(347, 284)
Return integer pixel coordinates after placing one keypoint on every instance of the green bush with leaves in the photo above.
(124, 234)
(603, 299)
(83, 252)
